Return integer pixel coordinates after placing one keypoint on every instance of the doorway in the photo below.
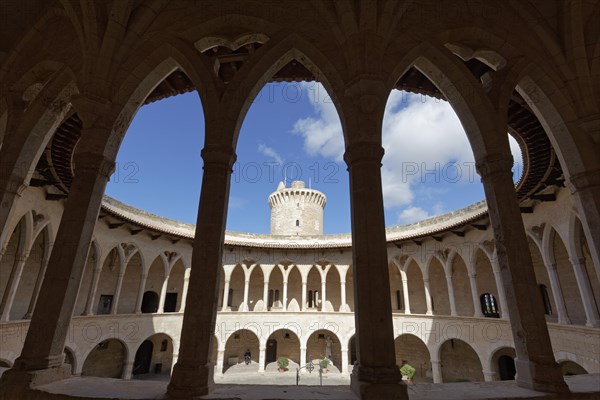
(271, 355)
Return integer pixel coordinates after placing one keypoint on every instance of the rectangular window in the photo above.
(105, 304)
(399, 300)
(171, 302)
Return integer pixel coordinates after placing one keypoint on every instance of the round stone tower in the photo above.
(296, 210)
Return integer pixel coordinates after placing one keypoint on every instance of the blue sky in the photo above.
(292, 131)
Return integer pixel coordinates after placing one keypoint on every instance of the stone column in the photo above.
(428, 297)
(559, 300)
(115, 304)
(163, 296)
(285, 287)
(323, 292)
(246, 289)
(489, 376)
(343, 294)
(405, 294)
(475, 295)
(193, 373)
(186, 285)
(303, 357)
(451, 296)
(345, 362)
(586, 193)
(127, 370)
(36, 289)
(587, 295)
(220, 357)
(500, 290)
(89, 304)
(262, 357)
(266, 295)
(44, 345)
(535, 363)
(304, 283)
(225, 307)
(376, 376)
(140, 294)
(11, 288)
(436, 371)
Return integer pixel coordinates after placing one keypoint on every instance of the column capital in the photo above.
(551, 266)
(577, 261)
(473, 275)
(494, 164)
(584, 180)
(363, 152)
(218, 155)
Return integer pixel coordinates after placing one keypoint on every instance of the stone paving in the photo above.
(583, 386)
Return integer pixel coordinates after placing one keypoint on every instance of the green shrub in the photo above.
(283, 362)
(325, 363)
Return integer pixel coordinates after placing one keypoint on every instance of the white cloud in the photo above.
(322, 133)
(424, 144)
(412, 214)
(270, 152)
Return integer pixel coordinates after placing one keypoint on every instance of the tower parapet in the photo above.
(296, 210)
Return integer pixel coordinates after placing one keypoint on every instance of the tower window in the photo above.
(297, 222)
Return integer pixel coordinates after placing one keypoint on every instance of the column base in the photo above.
(191, 381)
(378, 383)
(14, 383)
(540, 377)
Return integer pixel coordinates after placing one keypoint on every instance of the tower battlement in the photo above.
(296, 210)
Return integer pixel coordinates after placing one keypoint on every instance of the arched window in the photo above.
(310, 298)
(277, 295)
(297, 222)
(488, 306)
(545, 299)
(506, 367)
(271, 299)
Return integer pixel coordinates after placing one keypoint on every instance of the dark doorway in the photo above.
(105, 304)
(171, 302)
(271, 351)
(352, 351)
(506, 366)
(143, 357)
(150, 302)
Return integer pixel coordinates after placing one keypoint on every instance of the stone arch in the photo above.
(452, 78)
(106, 359)
(174, 300)
(412, 349)
(459, 362)
(541, 276)
(558, 256)
(294, 289)
(71, 359)
(130, 284)
(352, 354)
(317, 347)
(275, 54)
(416, 287)
(236, 288)
(286, 343)
(486, 280)
(313, 289)
(156, 278)
(236, 346)
(578, 248)
(275, 293)
(154, 355)
(438, 286)
(333, 288)
(396, 288)
(255, 287)
(350, 288)
(500, 364)
(31, 271)
(107, 282)
(572, 368)
(462, 287)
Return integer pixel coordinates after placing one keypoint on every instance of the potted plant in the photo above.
(282, 364)
(325, 363)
